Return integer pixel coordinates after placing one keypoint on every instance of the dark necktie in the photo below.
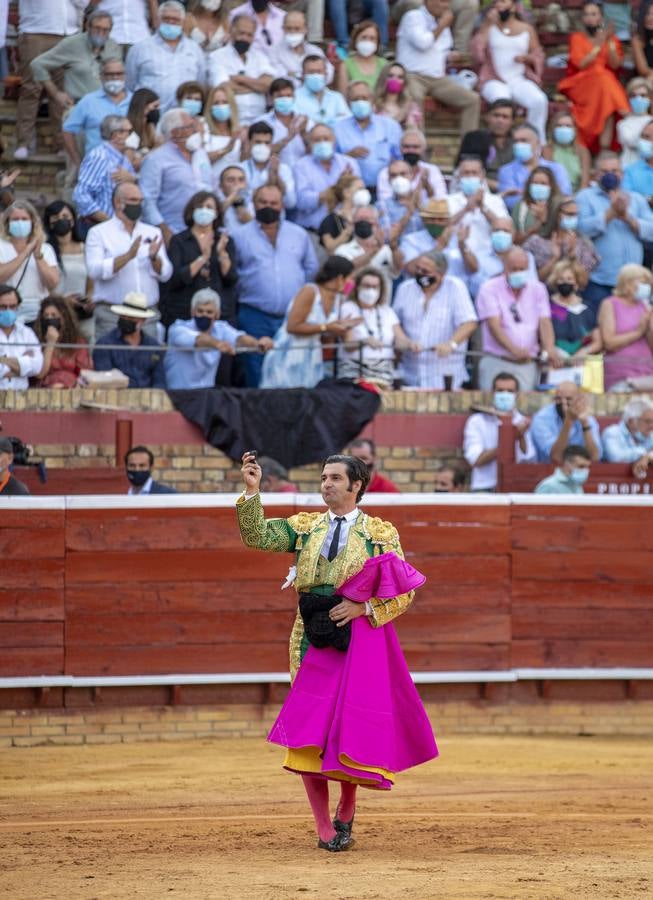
(335, 540)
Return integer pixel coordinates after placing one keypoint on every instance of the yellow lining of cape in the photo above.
(308, 759)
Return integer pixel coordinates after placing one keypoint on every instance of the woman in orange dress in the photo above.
(595, 55)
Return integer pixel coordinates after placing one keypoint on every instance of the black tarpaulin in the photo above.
(296, 426)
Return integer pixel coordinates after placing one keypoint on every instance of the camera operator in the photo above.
(9, 485)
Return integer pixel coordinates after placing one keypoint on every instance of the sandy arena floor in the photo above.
(495, 817)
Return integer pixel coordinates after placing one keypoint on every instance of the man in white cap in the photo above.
(120, 348)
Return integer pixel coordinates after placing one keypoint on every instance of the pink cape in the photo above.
(361, 704)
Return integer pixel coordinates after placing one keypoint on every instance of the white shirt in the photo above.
(480, 230)
(31, 288)
(481, 434)
(379, 322)
(436, 180)
(108, 240)
(417, 49)
(289, 64)
(382, 260)
(629, 130)
(62, 17)
(350, 518)
(257, 177)
(130, 23)
(21, 344)
(295, 148)
(225, 62)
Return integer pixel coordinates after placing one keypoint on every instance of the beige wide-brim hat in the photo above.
(435, 209)
(134, 305)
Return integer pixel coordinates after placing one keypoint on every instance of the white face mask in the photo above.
(400, 185)
(361, 197)
(261, 152)
(368, 296)
(293, 39)
(366, 48)
(194, 142)
(211, 5)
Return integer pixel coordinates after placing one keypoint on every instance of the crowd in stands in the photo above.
(248, 203)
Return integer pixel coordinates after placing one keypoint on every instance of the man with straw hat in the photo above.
(120, 347)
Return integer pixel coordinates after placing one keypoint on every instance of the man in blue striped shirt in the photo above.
(102, 169)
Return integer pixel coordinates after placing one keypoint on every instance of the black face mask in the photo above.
(241, 47)
(153, 116)
(203, 322)
(259, 6)
(52, 323)
(411, 158)
(565, 289)
(138, 477)
(267, 216)
(133, 211)
(505, 14)
(127, 326)
(363, 229)
(61, 227)
(592, 29)
(425, 281)
(440, 491)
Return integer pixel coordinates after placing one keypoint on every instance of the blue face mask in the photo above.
(501, 241)
(170, 32)
(8, 318)
(609, 181)
(518, 279)
(504, 401)
(323, 150)
(284, 105)
(564, 134)
(569, 223)
(221, 112)
(522, 151)
(639, 104)
(539, 191)
(643, 291)
(20, 228)
(645, 148)
(315, 82)
(361, 109)
(97, 41)
(204, 215)
(470, 185)
(579, 476)
(192, 107)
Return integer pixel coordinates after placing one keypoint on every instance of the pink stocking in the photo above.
(318, 796)
(347, 804)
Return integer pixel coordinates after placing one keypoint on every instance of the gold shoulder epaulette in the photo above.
(378, 531)
(303, 522)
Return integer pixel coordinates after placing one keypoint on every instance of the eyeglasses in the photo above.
(516, 315)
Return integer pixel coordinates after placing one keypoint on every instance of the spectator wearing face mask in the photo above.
(166, 59)
(368, 246)
(534, 214)
(316, 173)
(626, 324)
(437, 314)
(474, 206)
(57, 324)
(342, 200)
(144, 114)
(638, 176)
(527, 153)
(616, 221)
(263, 168)
(269, 24)
(570, 477)
(567, 420)
(20, 353)
(563, 243)
(399, 214)
(222, 131)
(130, 20)
(373, 140)
(423, 175)
(125, 253)
(173, 173)
(101, 169)
(114, 349)
(630, 127)
(235, 196)
(565, 149)
(64, 236)
(392, 97)
(314, 99)
(631, 440)
(187, 370)
(138, 468)
(480, 267)
(289, 130)
(574, 323)
(516, 320)
(247, 70)
(363, 62)
(365, 450)
(481, 435)
(274, 258)
(288, 54)
(450, 479)
(191, 97)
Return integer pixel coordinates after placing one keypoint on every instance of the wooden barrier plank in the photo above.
(30, 574)
(580, 534)
(439, 596)
(455, 537)
(454, 657)
(589, 594)
(33, 518)
(541, 621)
(436, 514)
(464, 569)
(31, 543)
(615, 566)
(17, 661)
(171, 659)
(31, 605)
(459, 627)
(574, 653)
(31, 634)
(180, 597)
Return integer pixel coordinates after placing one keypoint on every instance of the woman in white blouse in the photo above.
(370, 346)
(222, 134)
(27, 262)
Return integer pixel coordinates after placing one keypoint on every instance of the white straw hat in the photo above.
(134, 305)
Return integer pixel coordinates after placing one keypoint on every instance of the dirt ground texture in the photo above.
(494, 817)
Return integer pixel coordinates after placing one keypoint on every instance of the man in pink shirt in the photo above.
(516, 321)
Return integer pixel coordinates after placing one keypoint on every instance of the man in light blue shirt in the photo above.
(527, 152)
(565, 421)
(188, 370)
(274, 259)
(617, 222)
(631, 440)
(86, 115)
(371, 139)
(315, 173)
(572, 474)
(166, 59)
(101, 170)
(638, 176)
(314, 100)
